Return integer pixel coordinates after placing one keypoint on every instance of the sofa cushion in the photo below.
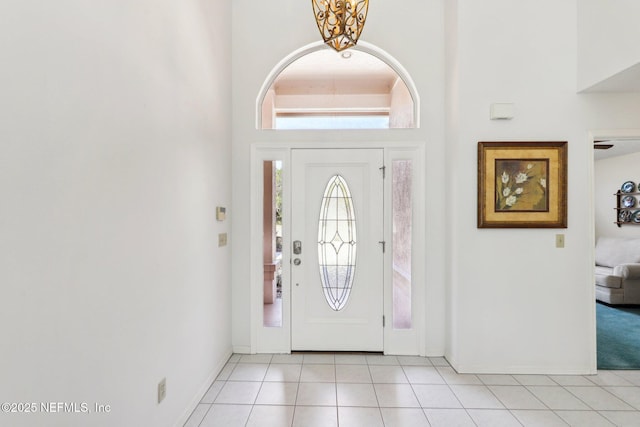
(613, 282)
(610, 296)
(606, 278)
(611, 251)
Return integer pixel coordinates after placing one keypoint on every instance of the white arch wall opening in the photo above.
(363, 87)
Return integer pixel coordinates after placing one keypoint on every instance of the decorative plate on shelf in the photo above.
(635, 217)
(628, 187)
(628, 201)
(624, 216)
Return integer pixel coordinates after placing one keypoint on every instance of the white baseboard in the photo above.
(242, 349)
(203, 389)
(523, 370)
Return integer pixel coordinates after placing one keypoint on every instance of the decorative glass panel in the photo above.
(337, 242)
(402, 231)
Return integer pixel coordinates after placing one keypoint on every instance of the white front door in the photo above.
(337, 254)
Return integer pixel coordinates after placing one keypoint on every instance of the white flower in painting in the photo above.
(506, 191)
(529, 166)
(519, 190)
(543, 182)
(521, 177)
(511, 200)
(505, 177)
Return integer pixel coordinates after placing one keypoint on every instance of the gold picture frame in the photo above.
(522, 184)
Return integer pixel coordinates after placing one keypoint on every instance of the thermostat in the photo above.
(221, 213)
(502, 111)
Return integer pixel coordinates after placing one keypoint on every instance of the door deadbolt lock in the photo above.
(297, 261)
(297, 247)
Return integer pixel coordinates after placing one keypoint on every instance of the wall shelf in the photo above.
(627, 208)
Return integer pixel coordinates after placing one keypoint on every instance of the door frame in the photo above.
(278, 340)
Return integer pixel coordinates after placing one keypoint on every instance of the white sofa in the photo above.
(618, 270)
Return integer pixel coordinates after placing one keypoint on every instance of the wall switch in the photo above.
(559, 240)
(222, 239)
(162, 390)
(221, 213)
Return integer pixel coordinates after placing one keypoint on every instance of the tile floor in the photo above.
(359, 390)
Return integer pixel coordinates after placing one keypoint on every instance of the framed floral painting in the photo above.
(522, 184)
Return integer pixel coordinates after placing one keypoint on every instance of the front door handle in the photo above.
(297, 261)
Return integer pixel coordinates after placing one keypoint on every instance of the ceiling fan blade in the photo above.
(602, 146)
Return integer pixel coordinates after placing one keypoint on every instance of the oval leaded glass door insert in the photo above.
(337, 242)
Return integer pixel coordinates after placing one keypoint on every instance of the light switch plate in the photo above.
(222, 239)
(221, 213)
(559, 240)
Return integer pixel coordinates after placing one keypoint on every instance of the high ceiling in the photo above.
(625, 81)
(329, 72)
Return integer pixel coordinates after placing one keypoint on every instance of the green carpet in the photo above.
(618, 331)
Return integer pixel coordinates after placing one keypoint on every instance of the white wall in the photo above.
(608, 34)
(114, 152)
(268, 34)
(609, 174)
(517, 303)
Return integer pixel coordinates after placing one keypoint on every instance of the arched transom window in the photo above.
(324, 89)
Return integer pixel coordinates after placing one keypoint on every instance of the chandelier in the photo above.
(340, 21)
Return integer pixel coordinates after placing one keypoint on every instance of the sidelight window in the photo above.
(402, 172)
